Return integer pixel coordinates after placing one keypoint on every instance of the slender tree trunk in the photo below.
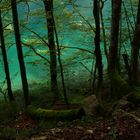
(127, 66)
(61, 66)
(6, 67)
(113, 51)
(135, 50)
(96, 13)
(19, 52)
(53, 61)
(103, 29)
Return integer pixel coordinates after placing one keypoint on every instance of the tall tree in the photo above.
(103, 28)
(6, 67)
(19, 51)
(96, 13)
(135, 50)
(113, 50)
(53, 60)
(119, 86)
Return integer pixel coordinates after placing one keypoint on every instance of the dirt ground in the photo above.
(122, 128)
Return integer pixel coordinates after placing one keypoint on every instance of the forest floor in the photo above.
(26, 128)
(123, 129)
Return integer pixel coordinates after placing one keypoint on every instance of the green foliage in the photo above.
(77, 100)
(112, 134)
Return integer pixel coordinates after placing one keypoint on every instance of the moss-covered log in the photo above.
(69, 114)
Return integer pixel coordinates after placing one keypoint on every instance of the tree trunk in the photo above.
(53, 61)
(103, 29)
(96, 13)
(135, 50)
(113, 51)
(4, 55)
(61, 66)
(19, 52)
(119, 86)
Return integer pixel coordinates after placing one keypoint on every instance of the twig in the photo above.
(36, 52)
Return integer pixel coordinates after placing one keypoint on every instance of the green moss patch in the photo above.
(67, 114)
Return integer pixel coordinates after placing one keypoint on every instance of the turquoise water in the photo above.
(73, 31)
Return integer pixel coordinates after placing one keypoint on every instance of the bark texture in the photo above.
(53, 60)
(4, 55)
(135, 50)
(20, 52)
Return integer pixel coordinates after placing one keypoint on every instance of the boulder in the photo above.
(91, 105)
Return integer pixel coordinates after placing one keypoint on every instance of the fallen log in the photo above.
(66, 114)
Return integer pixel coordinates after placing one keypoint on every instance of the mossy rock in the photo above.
(134, 97)
(91, 105)
(67, 114)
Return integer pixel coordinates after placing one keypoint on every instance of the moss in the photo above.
(119, 85)
(68, 114)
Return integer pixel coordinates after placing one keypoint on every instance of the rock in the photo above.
(108, 128)
(40, 138)
(55, 130)
(124, 104)
(89, 132)
(80, 127)
(123, 114)
(91, 105)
